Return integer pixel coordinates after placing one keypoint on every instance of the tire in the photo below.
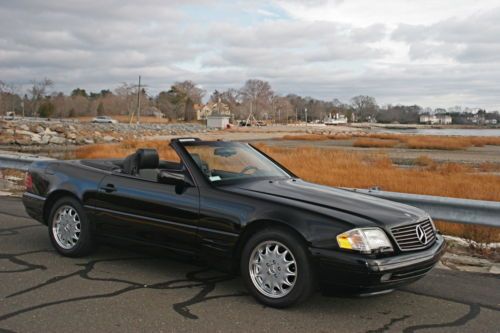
(74, 238)
(278, 268)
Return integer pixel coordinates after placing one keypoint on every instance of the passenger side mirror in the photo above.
(172, 178)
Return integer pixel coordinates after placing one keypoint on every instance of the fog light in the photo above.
(386, 277)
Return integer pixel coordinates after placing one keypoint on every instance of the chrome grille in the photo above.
(414, 236)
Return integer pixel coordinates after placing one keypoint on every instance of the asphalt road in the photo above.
(120, 290)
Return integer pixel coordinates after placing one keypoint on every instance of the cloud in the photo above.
(430, 53)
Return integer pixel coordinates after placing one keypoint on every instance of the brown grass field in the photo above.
(387, 140)
(361, 170)
(374, 143)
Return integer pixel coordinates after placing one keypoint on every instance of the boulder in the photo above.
(36, 139)
(59, 129)
(24, 127)
(5, 124)
(24, 132)
(57, 140)
(6, 140)
(49, 131)
(38, 129)
(88, 141)
(45, 139)
(71, 136)
(108, 138)
(23, 140)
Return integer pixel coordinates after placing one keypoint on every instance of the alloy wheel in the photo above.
(66, 227)
(273, 269)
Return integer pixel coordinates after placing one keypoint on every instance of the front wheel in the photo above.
(69, 228)
(276, 268)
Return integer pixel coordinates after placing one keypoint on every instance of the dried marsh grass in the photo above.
(388, 140)
(375, 143)
(125, 148)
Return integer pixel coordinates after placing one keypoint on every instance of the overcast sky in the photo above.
(435, 53)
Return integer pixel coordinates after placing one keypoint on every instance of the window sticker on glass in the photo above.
(214, 178)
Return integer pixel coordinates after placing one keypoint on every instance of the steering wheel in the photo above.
(248, 168)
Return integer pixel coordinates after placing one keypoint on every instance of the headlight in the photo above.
(365, 240)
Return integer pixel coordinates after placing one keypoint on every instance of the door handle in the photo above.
(108, 188)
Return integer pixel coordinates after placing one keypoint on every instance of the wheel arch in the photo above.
(256, 226)
(52, 199)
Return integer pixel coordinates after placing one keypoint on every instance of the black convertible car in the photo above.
(235, 207)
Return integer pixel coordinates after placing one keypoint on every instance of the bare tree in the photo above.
(9, 98)
(282, 109)
(257, 96)
(365, 107)
(37, 92)
(190, 90)
(126, 98)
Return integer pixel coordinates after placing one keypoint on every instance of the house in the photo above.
(213, 109)
(435, 119)
(336, 119)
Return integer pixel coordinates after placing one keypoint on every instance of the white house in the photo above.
(219, 109)
(336, 119)
(435, 119)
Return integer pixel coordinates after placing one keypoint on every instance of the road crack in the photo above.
(193, 280)
(474, 310)
(388, 325)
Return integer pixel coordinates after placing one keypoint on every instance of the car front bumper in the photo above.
(351, 271)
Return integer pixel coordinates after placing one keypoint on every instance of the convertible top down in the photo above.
(235, 207)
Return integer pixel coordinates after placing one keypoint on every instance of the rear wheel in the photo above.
(69, 228)
(276, 268)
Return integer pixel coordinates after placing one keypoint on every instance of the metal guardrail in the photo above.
(19, 161)
(467, 211)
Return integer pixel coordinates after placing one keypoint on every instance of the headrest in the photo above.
(141, 159)
(148, 158)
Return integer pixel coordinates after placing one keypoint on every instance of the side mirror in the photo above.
(172, 178)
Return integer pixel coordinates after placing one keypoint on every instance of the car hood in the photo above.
(379, 211)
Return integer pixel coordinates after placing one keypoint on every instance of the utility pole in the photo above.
(139, 101)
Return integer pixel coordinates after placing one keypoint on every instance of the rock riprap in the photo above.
(24, 132)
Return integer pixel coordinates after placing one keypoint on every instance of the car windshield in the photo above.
(223, 162)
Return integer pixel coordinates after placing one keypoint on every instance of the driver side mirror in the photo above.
(173, 178)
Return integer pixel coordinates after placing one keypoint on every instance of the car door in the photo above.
(148, 211)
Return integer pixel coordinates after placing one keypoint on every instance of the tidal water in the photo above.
(449, 131)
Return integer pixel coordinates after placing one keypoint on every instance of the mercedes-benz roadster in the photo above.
(232, 205)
